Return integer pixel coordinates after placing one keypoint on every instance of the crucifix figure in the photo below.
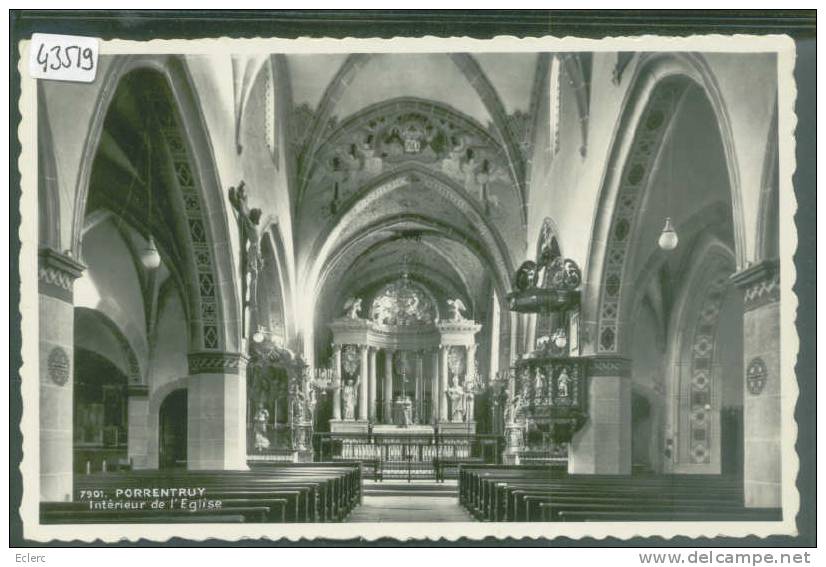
(251, 260)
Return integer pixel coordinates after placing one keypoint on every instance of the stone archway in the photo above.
(649, 111)
(172, 430)
(199, 203)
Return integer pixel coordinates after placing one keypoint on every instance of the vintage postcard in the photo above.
(409, 288)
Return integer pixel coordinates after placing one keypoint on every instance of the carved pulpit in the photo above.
(548, 395)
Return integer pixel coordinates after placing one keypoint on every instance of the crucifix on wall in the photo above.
(251, 260)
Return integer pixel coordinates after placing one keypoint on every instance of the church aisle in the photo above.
(418, 501)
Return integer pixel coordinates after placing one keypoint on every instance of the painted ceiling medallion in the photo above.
(403, 303)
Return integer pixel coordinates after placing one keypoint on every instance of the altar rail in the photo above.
(421, 456)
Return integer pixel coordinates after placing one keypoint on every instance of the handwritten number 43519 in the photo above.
(64, 57)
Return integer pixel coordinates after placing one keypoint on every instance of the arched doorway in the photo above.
(641, 433)
(172, 419)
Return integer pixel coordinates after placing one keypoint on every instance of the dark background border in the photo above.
(166, 24)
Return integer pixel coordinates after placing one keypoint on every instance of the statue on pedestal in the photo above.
(562, 383)
(407, 412)
(456, 395)
(349, 394)
(539, 385)
(262, 418)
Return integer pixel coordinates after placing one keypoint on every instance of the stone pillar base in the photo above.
(56, 275)
(762, 395)
(603, 446)
(216, 412)
(140, 431)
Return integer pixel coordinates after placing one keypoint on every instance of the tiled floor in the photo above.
(419, 501)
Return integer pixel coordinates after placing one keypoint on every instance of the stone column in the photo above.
(762, 395)
(216, 411)
(470, 362)
(603, 445)
(443, 382)
(56, 277)
(337, 377)
(139, 429)
(371, 395)
(530, 332)
(388, 386)
(434, 386)
(364, 378)
(419, 375)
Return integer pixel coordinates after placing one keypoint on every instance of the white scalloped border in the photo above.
(27, 163)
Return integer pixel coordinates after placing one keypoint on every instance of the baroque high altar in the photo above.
(427, 377)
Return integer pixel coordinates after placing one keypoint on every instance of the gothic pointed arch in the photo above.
(659, 80)
(470, 212)
(695, 378)
(132, 368)
(768, 228)
(47, 190)
(196, 219)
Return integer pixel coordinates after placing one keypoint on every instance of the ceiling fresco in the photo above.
(410, 165)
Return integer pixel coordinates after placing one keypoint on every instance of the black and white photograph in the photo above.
(418, 287)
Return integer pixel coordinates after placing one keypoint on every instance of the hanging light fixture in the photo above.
(668, 237)
(150, 258)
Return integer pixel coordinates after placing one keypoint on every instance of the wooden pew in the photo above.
(517, 493)
(278, 492)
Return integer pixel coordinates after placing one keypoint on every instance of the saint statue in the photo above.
(512, 409)
(261, 422)
(456, 395)
(539, 384)
(309, 407)
(562, 383)
(350, 397)
(470, 394)
(407, 412)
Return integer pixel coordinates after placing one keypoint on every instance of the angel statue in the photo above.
(457, 309)
(352, 308)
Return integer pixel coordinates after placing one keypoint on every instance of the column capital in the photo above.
(208, 362)
(601, 365)
(760, 283)
(56, 273)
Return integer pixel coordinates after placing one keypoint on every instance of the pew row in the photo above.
(502, 493)
(269, 492)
